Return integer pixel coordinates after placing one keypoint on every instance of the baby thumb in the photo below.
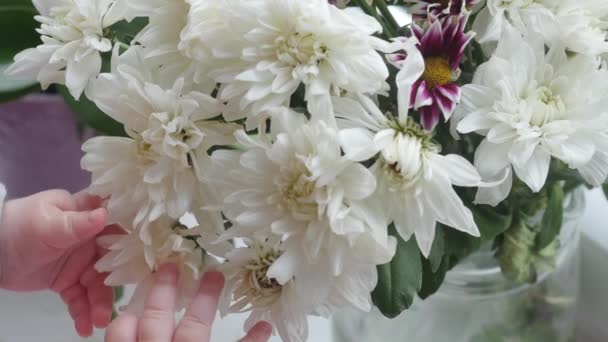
(74, 227)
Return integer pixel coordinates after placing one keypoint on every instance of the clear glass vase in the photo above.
(478, 304)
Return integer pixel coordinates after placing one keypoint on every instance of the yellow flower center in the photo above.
(437, 72)
(256, 282)
(302, 49)
(145, 153)
(546, 106)
(297, 192)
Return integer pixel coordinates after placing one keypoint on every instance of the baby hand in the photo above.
(47, 241)
(157, 323)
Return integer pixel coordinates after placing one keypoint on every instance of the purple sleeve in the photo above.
(39, 147)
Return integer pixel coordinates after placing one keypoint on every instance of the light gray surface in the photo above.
(594, 276)
(42, 317)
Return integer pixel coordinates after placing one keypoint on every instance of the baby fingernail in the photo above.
(97, 215)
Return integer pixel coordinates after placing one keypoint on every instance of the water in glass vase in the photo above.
(478, 304)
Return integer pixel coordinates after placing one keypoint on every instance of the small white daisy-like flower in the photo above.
(140, 184)
(162, 40)
(533, 106)
(415, 182)
(249, 289)
(73, 35)
(263, 51)
(130, 260)
(252, 286)
(156, 170)
(297, 185)
(578, 25)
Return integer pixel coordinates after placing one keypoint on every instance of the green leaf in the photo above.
(88, 114)
(432, 279)
(451, 246)
(19, 31)
(124, 31)
(458, 244)
(18, 3)
(491, 221)
(19, 27)
(605, 188)
(399, 280)
(553, 217)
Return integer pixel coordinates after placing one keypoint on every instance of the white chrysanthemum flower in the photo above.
(264, 50)
(73, 36)
(345, 274)
(157, 170)
(299, 186)
(532, 106)
(133, 261)
(249, 289)
(141, 184)
(161, 39)
(415, 182)
(579, 25)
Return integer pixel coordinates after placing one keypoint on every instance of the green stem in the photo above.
(386, 13)
(367, 8)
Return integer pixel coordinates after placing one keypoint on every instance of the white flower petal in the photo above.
(522, 150)
(407, 216)
(459, 170)
(353, 112)
(491, 159)
(78, 73)
(358, 144)
(534, 172)
(448, 207)
(425, 234)
(411, 70)
(477, 121)
(596, 171)
(488, 26)
(494, 195)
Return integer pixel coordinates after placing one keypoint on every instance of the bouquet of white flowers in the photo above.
(331, 157)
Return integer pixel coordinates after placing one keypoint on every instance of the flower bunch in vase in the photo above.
(322, 154)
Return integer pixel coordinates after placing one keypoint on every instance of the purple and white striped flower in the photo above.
(442, 46)
(439, 9)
